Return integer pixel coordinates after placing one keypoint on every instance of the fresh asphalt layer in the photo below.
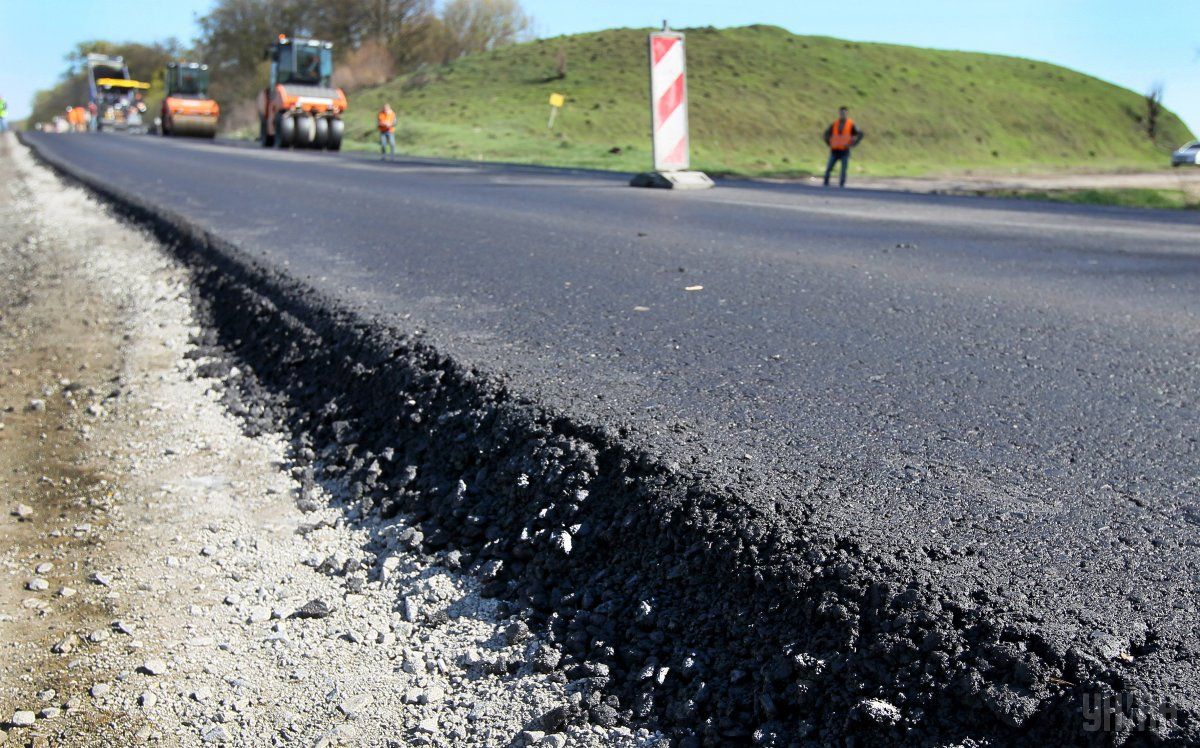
(997, 398)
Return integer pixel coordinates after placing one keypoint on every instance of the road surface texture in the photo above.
(773, 464)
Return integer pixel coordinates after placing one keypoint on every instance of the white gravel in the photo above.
(213, 561)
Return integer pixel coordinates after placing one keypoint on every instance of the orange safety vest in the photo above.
(387, 121)
(841, 141)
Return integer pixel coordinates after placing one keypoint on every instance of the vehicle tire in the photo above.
(267, 139)
(164, 129)
(305, 130)
(336, 129)
(285, 130)
(320, 132)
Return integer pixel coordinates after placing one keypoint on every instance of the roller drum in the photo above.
(285, 130)
(321, 135)
(336, 129)
(194, 125)
(305, 130)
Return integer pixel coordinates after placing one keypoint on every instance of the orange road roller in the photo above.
(300, 107)
(187, 108)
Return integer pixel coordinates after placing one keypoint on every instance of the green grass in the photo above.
(1128, 197)
(760, 99)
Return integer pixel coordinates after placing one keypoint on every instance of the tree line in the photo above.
(374, 40)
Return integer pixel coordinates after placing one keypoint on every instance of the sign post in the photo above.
(556, 103)
(669, 116)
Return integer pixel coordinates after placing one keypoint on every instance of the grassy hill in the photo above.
(760, 97)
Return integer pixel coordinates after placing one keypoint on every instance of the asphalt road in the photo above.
(1014, 380)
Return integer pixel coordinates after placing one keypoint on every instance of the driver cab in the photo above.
(188, 80)
(302, 61)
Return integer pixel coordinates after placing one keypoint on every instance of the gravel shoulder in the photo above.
(59, 344)
(208, 605)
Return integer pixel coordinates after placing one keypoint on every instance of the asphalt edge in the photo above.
(656, 576)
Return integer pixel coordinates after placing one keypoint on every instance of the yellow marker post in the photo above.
(556, 102)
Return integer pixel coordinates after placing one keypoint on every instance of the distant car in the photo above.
(1188, 154)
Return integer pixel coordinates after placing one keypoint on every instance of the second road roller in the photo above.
(187, 108)
(300, 107)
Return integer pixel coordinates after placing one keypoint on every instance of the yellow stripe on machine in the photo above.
(120, 83)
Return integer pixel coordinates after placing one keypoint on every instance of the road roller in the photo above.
(300, 107)
(187, 108)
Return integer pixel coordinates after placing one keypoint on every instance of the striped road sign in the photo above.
(668, 101)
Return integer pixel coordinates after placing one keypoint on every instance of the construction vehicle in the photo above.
(187, 108)
(300, 107)
(116, 96)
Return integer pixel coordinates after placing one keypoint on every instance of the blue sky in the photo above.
(1130, 43)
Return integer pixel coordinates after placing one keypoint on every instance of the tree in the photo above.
(560, 63)
(470, 26)
(1154, 107)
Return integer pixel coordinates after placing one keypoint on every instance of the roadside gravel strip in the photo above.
(186, 600)
(666, 601)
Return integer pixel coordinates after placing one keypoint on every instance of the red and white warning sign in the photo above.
(668, 101)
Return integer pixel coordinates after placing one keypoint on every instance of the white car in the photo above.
(1188, 154)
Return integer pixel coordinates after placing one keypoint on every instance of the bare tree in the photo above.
(560, 63)
(1153, 98)
(470, 26)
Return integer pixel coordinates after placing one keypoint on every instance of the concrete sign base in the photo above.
(673, 180)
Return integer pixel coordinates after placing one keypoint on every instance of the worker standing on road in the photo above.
(3, 114)
(387, 132)
(841, 136)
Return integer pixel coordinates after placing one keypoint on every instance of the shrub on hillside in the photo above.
(369, 65)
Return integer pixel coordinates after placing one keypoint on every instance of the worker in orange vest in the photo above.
(387, 132)
(78, 118)
(841, 136)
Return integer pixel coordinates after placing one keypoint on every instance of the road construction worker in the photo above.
(387, 132)
(3, 114)
(78, 119)
(93, 116)
(841, 136)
